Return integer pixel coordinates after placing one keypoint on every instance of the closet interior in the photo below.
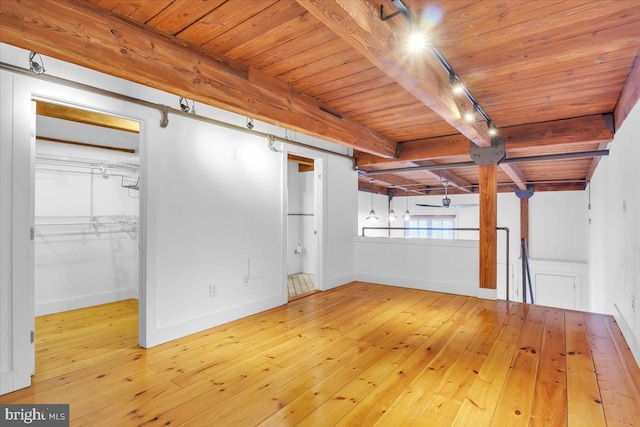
(86, 203)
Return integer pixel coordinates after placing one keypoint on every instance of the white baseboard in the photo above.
(448, 288)
(334, 282)
(67, 304)
(6, 382)
(182, 329)
(627, 332)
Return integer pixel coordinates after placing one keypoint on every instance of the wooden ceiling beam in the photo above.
(595, 128)
(514, 172)
(630, 94)
(119, 47)
(358, 23)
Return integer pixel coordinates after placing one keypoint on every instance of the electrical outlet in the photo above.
(245, 280)
(213, 291)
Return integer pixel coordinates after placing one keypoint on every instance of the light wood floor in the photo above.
(358, 355)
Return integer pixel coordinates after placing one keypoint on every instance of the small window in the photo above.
(431, 221)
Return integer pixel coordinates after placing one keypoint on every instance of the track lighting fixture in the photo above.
(34, 66)
(249, 123)
(421, 39)
(417, 40)
(456, 85)
(492, 128)
(372, 213)
(470, 116)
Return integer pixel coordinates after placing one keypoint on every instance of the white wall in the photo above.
(557, 225)
(556, 232)
(76, 267)
(213, 212)
(440, 265)
(614, 232)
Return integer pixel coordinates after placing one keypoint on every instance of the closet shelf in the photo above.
(92, 223)
(129, 166)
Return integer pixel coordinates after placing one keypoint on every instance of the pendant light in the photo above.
(407, 214)
(392, 213)
(372, 214)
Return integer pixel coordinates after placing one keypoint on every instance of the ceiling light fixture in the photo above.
(492, 128)
(392, 213)
(417, 40)
(372, 213)
(456, 83)
(407, 214)
(249, 123)
(470, 116)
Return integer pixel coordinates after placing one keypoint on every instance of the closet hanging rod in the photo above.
(163, 109)
(77, 162)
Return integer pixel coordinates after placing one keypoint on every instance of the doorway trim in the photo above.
(26, 90)
(319, 205)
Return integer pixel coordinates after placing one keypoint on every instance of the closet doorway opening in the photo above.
(86, 204)
(302, 226)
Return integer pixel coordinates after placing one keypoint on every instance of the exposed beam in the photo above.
(629, 95)
(594, 128)
(595, 162)
(114, 45)
(86, 117)
(514, 172)
(488, 222)
(358, 23)
(445, 175)
(377, 189)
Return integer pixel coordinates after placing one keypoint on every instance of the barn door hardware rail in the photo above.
(162, 109)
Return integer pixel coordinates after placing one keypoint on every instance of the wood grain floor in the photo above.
(358, 355)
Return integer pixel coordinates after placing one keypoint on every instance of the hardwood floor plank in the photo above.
(550, 398)
(584, 402)
(621, 403)
(360, 354)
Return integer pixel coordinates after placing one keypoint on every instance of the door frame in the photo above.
(25, 91)
(319, 205)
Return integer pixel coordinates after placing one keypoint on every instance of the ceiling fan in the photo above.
(446, 202)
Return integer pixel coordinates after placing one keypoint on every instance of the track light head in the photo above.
(492, 128)
(470, 116)
(456, 85)
(249, 123)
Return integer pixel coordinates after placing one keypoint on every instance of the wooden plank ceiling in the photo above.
(552, 75)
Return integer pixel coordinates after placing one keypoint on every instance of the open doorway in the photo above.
(86, 202)
(302, 230)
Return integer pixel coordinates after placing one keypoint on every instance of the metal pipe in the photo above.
(163, 109)
(506, 229)
(525, 257)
